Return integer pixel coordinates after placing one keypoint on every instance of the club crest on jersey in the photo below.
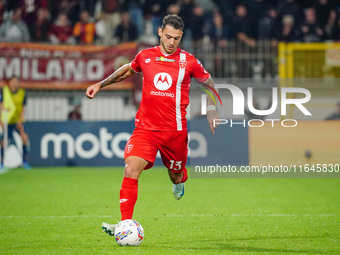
(162, 81)
(182, 64)
(129, 148)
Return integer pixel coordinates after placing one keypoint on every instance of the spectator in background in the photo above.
(219, 35)
(75, 114)
(310, 29)
(186, 11)
(126, 30)
(259, 8)
(330, 30)
(84, 30)
(243, 26)
(336, 30)
(108, 20)
(14, 29)
(148, 37)
(155, 10)
(336, 114)
(290, 7)
(173, 9)
(2, 10)
(287, 31)
(197, 24)
(42, 26)
(30, 13)
(70, 7)
(324, 8)
(61, 31)
(11, 5)
(326, 15)
(101, 32)
(135, 10)
(226, 9)
(244, 29)
(267, 24)
(89, 5)
(219, 32)
(187, 15)
(208, 6)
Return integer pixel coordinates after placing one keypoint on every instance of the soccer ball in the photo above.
(129, 233)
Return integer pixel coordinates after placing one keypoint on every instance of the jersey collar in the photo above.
(169, 55)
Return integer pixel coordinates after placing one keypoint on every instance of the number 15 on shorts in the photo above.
(175, 165)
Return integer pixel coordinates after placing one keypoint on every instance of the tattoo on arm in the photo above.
(122, 73)
(211, 83)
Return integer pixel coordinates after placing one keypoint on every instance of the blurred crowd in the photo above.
(111, 22)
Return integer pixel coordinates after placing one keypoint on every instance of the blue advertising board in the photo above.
(229, 145)
(79, 143)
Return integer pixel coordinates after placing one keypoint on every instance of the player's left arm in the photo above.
(120, 74)
(212, 114)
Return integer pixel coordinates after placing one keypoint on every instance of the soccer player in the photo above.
(160, 122)
(12, 105)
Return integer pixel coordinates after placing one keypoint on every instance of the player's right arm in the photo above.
(120, 74)
(212, 114)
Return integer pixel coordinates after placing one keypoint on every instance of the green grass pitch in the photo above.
(60, 211)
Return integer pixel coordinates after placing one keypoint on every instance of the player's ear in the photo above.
(160, 31)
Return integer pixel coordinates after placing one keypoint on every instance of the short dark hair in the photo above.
(173, 20)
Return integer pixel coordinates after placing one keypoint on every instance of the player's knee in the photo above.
(128, 169)
(131, 171)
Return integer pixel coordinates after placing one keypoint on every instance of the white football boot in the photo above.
(109, 228)
(178, 190)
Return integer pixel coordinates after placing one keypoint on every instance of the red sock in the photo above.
(128, 197)
(185, 175)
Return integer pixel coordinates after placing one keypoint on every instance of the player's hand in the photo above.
(213, 117)
(92, 90)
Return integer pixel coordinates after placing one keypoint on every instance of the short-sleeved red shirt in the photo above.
(166, 85)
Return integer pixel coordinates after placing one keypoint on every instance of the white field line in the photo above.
(172, 215)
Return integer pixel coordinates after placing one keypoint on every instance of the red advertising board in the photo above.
(64, 67)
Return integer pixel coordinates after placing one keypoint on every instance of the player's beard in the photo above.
(166, 50)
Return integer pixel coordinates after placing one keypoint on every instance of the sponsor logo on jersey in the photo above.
(165, 59)
(162, 81)
(147, 60)
(129, 148)
(162, 94)
(182, 64)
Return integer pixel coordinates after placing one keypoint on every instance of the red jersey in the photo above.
(166, 85)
